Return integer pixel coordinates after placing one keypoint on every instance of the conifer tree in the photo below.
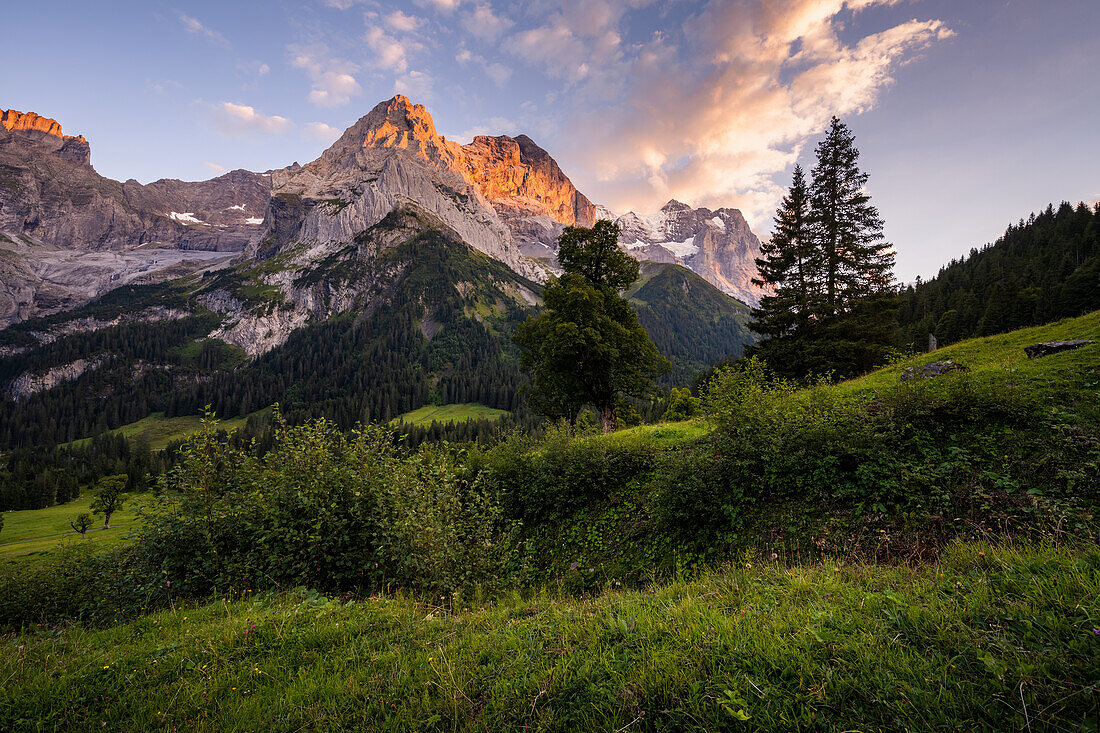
(856, 261)
(788, 266)
(831, 309)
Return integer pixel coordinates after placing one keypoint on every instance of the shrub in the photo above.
(549, 480)
(325, 510)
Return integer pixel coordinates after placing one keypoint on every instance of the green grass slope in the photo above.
(989, 638)
(35, 531)
(428, 414)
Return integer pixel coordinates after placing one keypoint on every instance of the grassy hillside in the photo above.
(35, 531)
(158, 431)
(988, 638)
(428, 414)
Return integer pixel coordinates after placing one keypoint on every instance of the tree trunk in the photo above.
(607, 417)
(107, 520)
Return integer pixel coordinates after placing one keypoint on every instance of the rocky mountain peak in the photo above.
(674, 205)
(33, 131)
(14, 120)
(395, 124)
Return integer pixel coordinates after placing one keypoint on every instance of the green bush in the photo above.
(957, 447)
(325, 510)
(549, 480)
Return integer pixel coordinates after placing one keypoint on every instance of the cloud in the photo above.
(193, 25)
(484, 23)
(399, 21)
(416, 85)
(717, 112)
(443, 6)
(497, 72)
(233, 120)
(390, 54)
(322, 132)
(333, 83)
(219, 169)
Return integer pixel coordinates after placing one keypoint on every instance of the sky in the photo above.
(968, 115)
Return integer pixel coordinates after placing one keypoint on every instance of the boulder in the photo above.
(935, 369)
(1046, 348)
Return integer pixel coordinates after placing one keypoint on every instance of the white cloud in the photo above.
(416, 85)
(219, 169)
(716, 115)
(402, 22)
(193, 25)
(263, 69)
(333, 80)
(484, 23)
(443, 6)
(232, 119)
(320, 131)
(390, 54)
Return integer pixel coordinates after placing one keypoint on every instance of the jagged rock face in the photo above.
(51, 195)
(68, 234)
(523, 183)
(716, 244)
(391, 157)
(29, 383)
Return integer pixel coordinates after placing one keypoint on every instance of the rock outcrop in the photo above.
(1047, 348)
(935, 369)
(29, 383)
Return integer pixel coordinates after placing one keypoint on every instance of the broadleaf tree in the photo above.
(587, 347)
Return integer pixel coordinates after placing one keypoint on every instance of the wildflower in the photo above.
(1096, 632)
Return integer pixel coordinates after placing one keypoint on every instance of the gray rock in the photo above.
(935, 369)
(1046, 348)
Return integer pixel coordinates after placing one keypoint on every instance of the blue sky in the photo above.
(969, 115)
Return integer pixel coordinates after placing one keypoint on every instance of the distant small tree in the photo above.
(110, 496)
(681, 405)
(81, 523)
(1, 521)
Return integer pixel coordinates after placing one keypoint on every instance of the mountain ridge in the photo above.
(504, 195)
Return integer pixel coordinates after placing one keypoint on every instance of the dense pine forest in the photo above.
(1040, 270)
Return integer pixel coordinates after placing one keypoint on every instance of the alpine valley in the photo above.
(383, 276)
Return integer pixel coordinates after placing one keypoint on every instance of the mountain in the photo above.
(385, 275)
(690, 321)
(68, 234)
(1040, 270)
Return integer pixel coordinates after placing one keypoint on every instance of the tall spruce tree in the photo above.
(788, 266)
(831, 309)
(856, 261)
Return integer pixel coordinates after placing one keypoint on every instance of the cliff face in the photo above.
(51, 195)
(391, 157)
(716, 244)
(68, 234)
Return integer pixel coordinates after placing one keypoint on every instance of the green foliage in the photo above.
(81, 523)
(327, 510)
(544, 482)
(594, 254)
(682, 405)
(110, 496)
(587, 347)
